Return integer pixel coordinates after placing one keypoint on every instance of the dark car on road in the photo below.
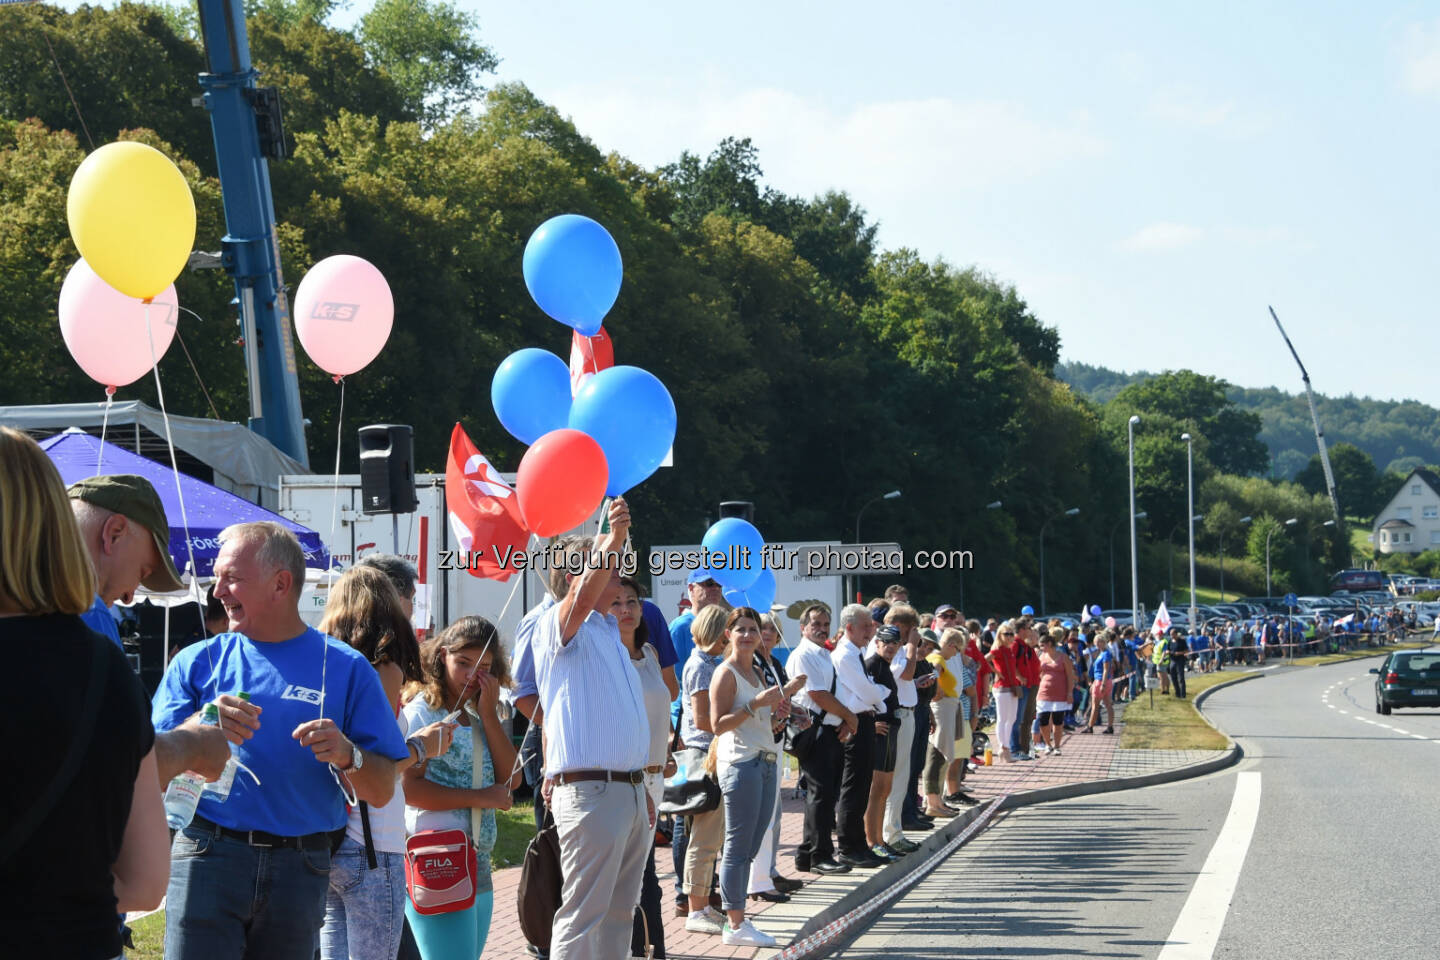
(1408, 678)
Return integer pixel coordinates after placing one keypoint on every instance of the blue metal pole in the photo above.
(251, 253)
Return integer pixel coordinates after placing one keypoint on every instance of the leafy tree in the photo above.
(429, 48)
(1356, 479)
(1198, 400)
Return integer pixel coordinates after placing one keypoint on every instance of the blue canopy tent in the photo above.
(208, 508)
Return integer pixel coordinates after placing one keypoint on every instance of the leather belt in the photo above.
(260, 838)
(603, 776)
(865, 713)
(768, 756)
(655, 768)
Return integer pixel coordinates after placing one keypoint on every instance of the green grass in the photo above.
(1174, 724)
(149, 935)
(514, 828)
(1206, 595)
(1360, 545)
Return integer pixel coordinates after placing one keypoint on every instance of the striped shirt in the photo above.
(594, 705)
(967, 679)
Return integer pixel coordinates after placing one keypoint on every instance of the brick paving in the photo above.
(1082, 758)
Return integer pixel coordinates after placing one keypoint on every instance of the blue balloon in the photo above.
(630, 414)
(573, 271)
(1095, 611)
(531, 393)
(741, 545)
(761, 593)
(1027, 611)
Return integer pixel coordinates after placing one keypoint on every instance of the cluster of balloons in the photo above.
(132, 217)
(617, 429)
(747, 582)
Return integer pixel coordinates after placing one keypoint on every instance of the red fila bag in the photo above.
(441, 872)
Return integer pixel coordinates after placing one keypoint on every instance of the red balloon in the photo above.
(561, 481)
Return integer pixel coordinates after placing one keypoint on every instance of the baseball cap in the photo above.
(930, 636)
(135, 499)
(700, 575)
(945, 608)
(889, 633)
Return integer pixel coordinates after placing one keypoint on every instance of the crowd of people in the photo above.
(357, 739)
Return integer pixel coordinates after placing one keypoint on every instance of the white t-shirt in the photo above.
(387, 823)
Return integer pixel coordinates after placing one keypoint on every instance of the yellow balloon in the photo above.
(132, 217)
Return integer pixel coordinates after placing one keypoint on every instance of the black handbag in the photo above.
(799, 743)
(541, 879)
(697, 793)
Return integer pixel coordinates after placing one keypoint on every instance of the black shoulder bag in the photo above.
(799, 743)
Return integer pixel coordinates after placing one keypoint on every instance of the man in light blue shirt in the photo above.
(597, 741)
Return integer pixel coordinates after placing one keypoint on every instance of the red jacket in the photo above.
(982, 671)
(1002, 660)
(1027, 663)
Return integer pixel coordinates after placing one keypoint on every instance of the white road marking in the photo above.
(1398, 730)
(1197, 929)
(1419, 736)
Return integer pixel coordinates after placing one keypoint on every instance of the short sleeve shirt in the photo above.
(699, 671)
(297, 794)
(454, 768)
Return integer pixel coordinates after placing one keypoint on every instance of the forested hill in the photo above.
(1397, 435)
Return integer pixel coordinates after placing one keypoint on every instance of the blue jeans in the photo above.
(1023, 696)
(748, 789)
(364, 908)
(453, 936)
(229, 900)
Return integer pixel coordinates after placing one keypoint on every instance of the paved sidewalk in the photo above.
(1082, 758)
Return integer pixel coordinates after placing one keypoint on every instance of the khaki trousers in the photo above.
(605, 839)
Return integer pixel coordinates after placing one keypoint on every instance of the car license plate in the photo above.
(1430, 692)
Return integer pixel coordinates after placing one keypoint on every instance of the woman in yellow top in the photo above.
(944, 709)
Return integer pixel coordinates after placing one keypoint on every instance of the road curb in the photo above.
(876, 887)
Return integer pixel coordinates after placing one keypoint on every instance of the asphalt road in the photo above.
(1344, 860)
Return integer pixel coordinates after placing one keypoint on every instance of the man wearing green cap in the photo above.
(123, 525)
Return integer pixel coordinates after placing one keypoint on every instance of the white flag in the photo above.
(1162, 620)
(1084, 616)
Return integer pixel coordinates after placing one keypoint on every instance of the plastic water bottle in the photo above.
(219, 791)
(183, 794)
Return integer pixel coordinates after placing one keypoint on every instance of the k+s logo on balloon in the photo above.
(344, 312)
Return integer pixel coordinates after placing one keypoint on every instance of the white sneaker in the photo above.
(714, 914)
(700, 921)
(746, 935)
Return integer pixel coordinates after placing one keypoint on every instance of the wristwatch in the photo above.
(357, 759)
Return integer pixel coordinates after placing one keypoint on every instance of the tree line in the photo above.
(811, 369)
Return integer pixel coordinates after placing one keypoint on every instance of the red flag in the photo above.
(1162, 621)
(483, 510)
(589, 355)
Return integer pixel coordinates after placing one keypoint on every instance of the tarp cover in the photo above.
(244, 462)
(208, 508)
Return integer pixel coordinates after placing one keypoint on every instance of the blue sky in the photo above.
(1148, 176)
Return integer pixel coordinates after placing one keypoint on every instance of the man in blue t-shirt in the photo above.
(317, 722)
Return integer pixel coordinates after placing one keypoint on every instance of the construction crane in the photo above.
(246, 121)
(1315, 418)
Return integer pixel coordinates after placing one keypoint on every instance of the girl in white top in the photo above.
(745, 717)
(364, 908)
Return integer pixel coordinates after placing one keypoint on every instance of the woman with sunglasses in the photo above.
(1007, 686)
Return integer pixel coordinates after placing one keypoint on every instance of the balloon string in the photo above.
(194, 570)
(334, 513)
(514, 588)
(104, 425)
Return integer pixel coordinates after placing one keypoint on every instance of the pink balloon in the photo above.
(1110, 622)
(343, 313)
(105, 330)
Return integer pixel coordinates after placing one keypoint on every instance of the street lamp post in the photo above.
(1289, 523)
(1139, 516)
(893, 494)
(1170, 542)
(960, 575)
(1190, 499)
(1068, 513)
(1134, 560)
(1243, 521)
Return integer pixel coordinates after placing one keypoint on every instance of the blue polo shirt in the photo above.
(297, 794)
(98, 618)
(659, 634)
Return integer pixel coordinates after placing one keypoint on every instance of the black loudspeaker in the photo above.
(387, 469)
(743, 509)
